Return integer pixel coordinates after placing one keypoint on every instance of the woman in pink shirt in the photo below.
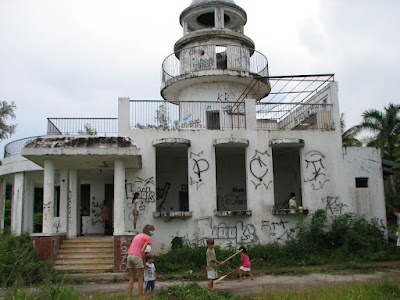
(136, 257)
(245, 266)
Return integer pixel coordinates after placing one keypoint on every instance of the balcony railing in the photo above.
(15, 147)
(187, 115)
(294, 116)
(89, 126)
(214, 57)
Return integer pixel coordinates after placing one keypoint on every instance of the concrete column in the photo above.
(3, 185)
(63, 200)
(219, 18)
(16, 204)
(73, 204)
(251, 121)
(119, 197)
(48, 197)
(27, 224)
(123, 116)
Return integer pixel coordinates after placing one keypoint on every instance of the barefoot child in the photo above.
(149, 275)
(245, 266)
(211, 263)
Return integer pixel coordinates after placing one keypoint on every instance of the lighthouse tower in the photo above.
(214, 60)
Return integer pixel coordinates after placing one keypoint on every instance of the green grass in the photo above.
(383, 289)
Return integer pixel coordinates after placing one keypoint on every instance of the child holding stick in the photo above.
(245, 266)
(211, 263)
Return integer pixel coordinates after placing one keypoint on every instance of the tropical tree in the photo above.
(6, 111)
(349, 136)
(386, 126)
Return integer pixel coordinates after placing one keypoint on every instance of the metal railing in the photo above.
(294, 116)
(214, 57)
(15, 147)
(187, 115)
(89, 126)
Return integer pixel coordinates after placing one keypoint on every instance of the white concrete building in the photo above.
(218, 157)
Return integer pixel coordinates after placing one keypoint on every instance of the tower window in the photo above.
(361, 182)
(208, 19)
(213, 120)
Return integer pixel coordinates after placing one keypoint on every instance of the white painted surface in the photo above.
(16, 204)
(48, 197)
(73, 204)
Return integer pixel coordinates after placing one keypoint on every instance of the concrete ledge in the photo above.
(173, 214)
(230, 213)
(290, 211)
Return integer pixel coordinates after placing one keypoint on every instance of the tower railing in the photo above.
(187, 115)
(214, 57)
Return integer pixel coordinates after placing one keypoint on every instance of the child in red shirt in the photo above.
(245, 266)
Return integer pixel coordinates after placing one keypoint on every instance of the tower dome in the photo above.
(214, 54)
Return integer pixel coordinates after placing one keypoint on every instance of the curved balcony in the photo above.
(15, 147)
(245, 61)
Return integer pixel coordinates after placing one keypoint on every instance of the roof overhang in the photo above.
(89, 152)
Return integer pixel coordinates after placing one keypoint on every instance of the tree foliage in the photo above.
(386, 127)
(349, 136)
(6, 112)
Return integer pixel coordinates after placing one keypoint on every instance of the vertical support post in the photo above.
(48, 197)
(27, 224)
(251, 121)
(63, 200)
(119, 197)
(219, 18)
(3, 185)
(16, 204)
(73, 204)
(124, 122)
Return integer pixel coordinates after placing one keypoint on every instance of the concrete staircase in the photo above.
(86, 254)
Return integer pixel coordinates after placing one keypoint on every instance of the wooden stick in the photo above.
(232, 256)
(223, 277)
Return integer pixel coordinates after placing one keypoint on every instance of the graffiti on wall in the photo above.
(235, 200)
(278, 231)
(203, 63)
(124, 256)
(259, 169)
(222, 97)
(315, 172)
(237, 232)
(333, 205)
(145, 188)
(162, 195)
(199, 165)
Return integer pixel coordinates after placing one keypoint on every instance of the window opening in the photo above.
(361, 182)
(85, 199)
(213, 120)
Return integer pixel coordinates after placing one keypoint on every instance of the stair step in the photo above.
(67, 255)
(85, 268)
(87, 244)
(84, 262)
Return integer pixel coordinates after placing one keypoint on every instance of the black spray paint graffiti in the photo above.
(146, 193)
(235, 201)
(315, 170)
(380, 223)
(333, 205)
(162, 195)
(237, 232)
(203, 63)
(96, 212)
(200, 165)
(258, 168)
(223, 97)
(273, 227)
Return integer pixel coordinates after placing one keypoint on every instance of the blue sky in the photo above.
(74, 58)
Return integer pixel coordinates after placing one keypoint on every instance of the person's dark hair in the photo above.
(210, 241)
(243, 249)
(136, 195)
(149, 256)
(292, 195)
(148, 228)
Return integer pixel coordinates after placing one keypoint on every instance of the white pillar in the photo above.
(119, 197)
(48, 197)
(63, 200)
(73, 204)
(27, 224)
(251, 118)
(3, 185)
(124, 119)
(16, 204)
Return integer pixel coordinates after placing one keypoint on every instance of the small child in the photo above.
(149, 275)
(211, 263)
(245, 266)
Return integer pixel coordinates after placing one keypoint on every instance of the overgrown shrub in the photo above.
(192, 291)
(19, 262)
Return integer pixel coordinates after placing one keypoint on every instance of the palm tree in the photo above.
(386, 126)
(349, 136)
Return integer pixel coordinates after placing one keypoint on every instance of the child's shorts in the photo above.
(212, 274)
(245, 269)
(150, 284)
